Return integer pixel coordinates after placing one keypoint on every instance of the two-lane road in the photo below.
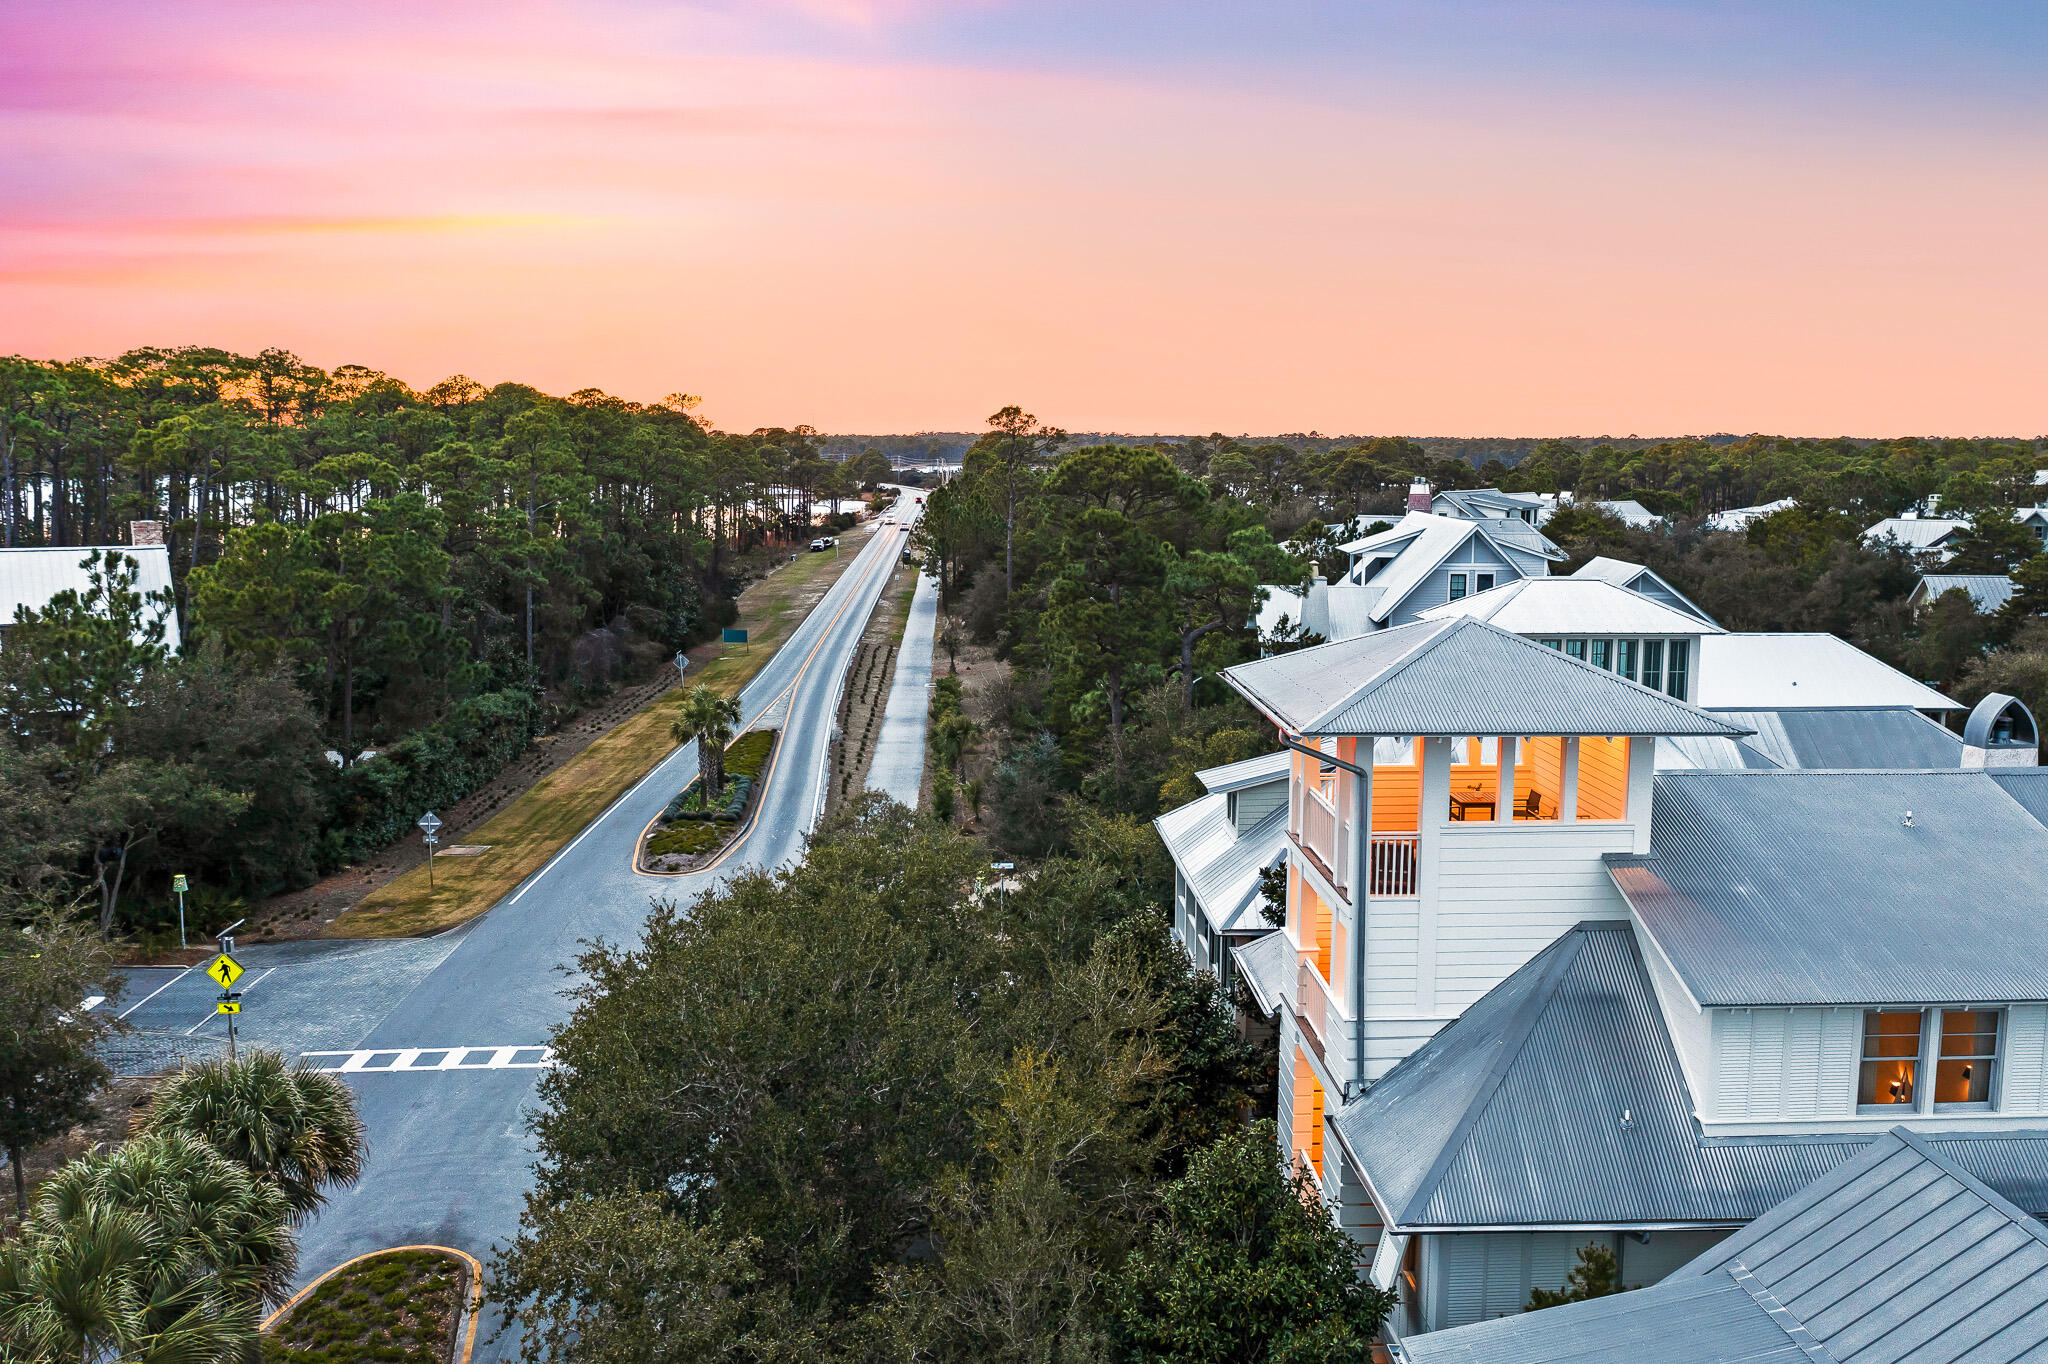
(446, 1078)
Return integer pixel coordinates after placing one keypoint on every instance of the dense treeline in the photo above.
(876, 1107)
(356, 565)
(1119, 579)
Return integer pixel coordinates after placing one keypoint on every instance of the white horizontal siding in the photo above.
(1388, 1041)
(1784, 1064)
(1504, 894)
(1254, 803)
(1392, 932)
(1691, 1030)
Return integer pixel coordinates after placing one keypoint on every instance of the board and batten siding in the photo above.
(2024, 1086)
(1506, 892)
(1784, 1064)
(1254, 803)
(1486, 1274)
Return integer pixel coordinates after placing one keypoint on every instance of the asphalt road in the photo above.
(898, 767)
(440, 1038)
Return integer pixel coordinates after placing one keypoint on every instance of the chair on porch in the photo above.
(1532, 806)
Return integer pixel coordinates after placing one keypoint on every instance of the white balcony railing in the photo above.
(1393, 864)
(1317, 1012)
(1319, 830)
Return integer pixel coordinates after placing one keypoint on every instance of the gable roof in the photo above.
(1753, 878)
(1771, 671)
(1574, 605)
(1449, 677)
(1476, 502)
(1266, 965)
(1848, 739)
(1919, 532)
(1221, 865)
(1423, 540)
(1896, 1254)
(1250, 772)
(1622, 573)
(1987, 591)
(31, 576)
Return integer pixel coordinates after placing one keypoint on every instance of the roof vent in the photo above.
(1628, 1117)
(1909, 819)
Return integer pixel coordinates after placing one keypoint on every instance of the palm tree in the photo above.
(295, 1128)
(707, 717)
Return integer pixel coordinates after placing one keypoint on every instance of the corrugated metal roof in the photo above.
(1850, 739)
(1454, 677)
(1705, 1320)
(1896, 1254)
(1508, 533)
(1338, 611)
(1802, 672)
(1987, 591)
(1250, 772)
(30, 577)
(1709, 755)
(1753, 877)
(1572, 606)
(2027, 785)
(1513, 1115)
(1267, 965)
(1220, 865)
(1924, 532)
(1622, 573)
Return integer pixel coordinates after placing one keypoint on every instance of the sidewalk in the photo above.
(898, 767)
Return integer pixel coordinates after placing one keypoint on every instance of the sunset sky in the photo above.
(1450, 217)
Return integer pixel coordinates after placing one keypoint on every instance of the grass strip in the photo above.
(396, 1308)
(533, 828)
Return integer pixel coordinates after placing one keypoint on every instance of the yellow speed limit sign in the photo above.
(228, 1006)
(225, 971)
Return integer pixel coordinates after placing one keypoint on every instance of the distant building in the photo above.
(31, 577)
(1988, 592)
(1740, 518)
(1932, 536)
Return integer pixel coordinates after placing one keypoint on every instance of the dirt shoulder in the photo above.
(529, 812)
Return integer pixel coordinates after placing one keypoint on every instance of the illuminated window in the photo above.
(1891, 1058)
(1969, 1058)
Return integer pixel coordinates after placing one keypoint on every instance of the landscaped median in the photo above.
(689, 832)
(525, 834)
(411, 1305)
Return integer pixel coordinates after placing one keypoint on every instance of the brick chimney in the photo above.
(1418, 496)
(145, 533)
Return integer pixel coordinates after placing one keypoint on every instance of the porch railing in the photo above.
(1319, 830)
(1393, 864)
(1317, 1011)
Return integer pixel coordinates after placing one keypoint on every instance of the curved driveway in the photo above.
(449, 1155)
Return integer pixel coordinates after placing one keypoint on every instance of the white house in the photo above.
(1932, 536)
(1741, 518)
(31, 577)
(1533, 990)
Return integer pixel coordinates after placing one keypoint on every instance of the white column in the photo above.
(1642, 784)
(1432, 813)
(1568, 799)
(1504, 784)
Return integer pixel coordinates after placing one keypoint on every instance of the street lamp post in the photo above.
(430, 825)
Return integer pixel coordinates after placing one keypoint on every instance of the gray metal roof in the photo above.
(1622, 573)
(1250, 772)
(2027, 785)
(1220, 864)
(1456, 677)
(31, 576)
(1709, 755)
(1802, 671)
(1753, 876)
(1512, 1116)
(1868, 739)
(1899, 1254)
(1915, 532)
(1987, 591)
(1267, 966)
(1572, 606)
(1896, 1254)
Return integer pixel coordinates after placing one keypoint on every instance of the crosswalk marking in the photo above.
(418, 1059)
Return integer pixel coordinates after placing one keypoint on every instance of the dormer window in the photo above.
(1895, 1047)
(1457, 586)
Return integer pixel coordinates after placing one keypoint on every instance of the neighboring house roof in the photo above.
(1738, 518)
(1987, 591)
(1280, 601)
(1341, 610)
(1753, 876)
(1897, 1254)
(1250, 772)
(30, 577)
(1220, 865)
(1709, 755)
(1622, 573)
(1452, 677)
(1556, 1100)
(1523, 536)
(1267, 966)
(1425, 540)
(1802, 672)
(1489, 502)
(1631, 512)
(1917, 532)
(1849, 739)
(1571, 606)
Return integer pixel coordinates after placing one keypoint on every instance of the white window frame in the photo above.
(1927, 1062)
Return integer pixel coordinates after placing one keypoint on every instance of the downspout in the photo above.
(1361, 861)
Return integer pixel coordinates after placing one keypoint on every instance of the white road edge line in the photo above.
(157, 991)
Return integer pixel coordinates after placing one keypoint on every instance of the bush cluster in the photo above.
(377, 800)
(397, 1308)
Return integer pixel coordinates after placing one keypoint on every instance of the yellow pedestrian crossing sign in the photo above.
(228, 1006)
(225, 971)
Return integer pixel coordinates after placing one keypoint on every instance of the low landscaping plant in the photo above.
(396, 1308)
(687, 828)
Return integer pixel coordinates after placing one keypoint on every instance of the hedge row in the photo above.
(377, 801)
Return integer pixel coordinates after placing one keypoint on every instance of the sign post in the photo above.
(430, 826)
(178, 885)
(224, 971)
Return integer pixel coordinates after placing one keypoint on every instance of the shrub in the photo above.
(376, 801)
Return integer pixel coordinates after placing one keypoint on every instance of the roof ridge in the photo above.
(1780, 1315)
(1438, 630)
(2025, 1220)
(1527, 1014)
